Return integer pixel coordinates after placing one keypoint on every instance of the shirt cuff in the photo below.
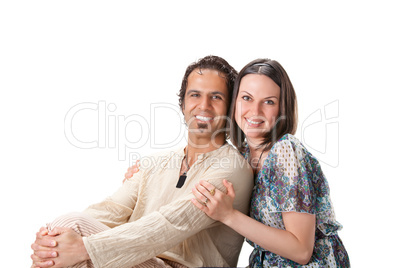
(90, 251)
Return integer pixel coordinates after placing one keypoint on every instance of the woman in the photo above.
(291, 222)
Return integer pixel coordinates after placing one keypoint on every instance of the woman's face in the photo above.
(257, 106)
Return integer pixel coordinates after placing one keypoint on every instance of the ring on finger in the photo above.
(212, 192)
(206, 201)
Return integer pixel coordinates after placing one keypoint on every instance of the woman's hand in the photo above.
(215, 203)
(132, 170)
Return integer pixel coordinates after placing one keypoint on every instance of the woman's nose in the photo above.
(255, 109)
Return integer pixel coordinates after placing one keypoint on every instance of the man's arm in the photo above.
(113, 211)
(135, 242)
(117, 209)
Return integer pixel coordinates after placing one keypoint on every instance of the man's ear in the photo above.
(182, 111)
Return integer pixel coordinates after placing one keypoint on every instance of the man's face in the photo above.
(206, 104)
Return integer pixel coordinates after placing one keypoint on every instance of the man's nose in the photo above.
(205, 103)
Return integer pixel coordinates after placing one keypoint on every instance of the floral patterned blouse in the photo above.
(291, 179)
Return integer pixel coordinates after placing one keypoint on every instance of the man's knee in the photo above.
(70, 220)
(80, 222)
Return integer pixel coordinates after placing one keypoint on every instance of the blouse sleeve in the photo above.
(297, 181)
(293, 181)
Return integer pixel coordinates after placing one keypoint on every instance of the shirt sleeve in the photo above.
(117, 209)
(135, 242)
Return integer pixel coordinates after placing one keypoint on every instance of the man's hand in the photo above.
(131, 170)
(44, 250)
(60, 248)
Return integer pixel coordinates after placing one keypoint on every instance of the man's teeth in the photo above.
(253, 122)
(203, 118)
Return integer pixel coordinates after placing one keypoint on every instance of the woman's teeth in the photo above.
(253, 122)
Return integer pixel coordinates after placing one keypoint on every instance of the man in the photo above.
(150, 221)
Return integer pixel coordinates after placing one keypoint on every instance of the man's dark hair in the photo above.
(211, 63)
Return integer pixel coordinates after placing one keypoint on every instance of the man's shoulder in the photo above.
(229, 164)
(156, 158)
(166, 152)
(232, 153)
(227, 158)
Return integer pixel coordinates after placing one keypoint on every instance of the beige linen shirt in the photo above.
(150, 217)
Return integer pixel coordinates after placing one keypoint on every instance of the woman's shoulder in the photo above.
(286, 139)
(288, 142)
(291, 148)
(298, 177)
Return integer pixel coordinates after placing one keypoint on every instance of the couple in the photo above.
(191, 208)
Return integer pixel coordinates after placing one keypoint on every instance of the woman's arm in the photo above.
(295, 243)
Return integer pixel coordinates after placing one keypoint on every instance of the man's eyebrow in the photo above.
(192, 91)
(218, 93)
(210, 93)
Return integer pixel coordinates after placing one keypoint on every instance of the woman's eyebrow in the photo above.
(271, 97)
(246, 92)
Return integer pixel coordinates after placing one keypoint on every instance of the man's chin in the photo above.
(201, 131)
(206, 130)
(203, 126)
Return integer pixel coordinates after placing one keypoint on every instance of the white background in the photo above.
(54, 55)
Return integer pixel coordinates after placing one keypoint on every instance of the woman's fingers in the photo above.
(229, 188)
(198, 204)
(209, 187)
(205, 192)
(199, 195)
(210, 190)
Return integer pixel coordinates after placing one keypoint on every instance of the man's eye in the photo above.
(195, 95)
(217, 97)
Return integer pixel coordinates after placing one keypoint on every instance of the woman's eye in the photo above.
(246, 98)
(270, 102)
